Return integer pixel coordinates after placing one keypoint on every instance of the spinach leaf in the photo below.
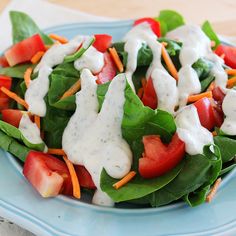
(198, 171)
(203, 68)
(208, 30)
(138, 187)
(206, 82)
(227, 169)
(23, 27)
(169, 20)
(15, 71)
(173, 48)
(11, 145)
(227, 147)
(15, 133)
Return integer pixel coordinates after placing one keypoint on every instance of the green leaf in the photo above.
(206, 83)
(208, 30)
(24, 27)
(138, 187)
(203, 68)
(15, 71)
(173, 48)
(169, 20)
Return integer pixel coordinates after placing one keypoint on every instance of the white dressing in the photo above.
(95, 140)
(229, 109)
(191, 132)
(92, 59)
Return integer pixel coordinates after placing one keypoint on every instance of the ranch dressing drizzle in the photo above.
(38, 87)
(95, 140)
(229, 109)
(197, 45)
(190, 130)
(30, 130)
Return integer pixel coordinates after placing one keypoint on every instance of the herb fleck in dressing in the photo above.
(95, 140)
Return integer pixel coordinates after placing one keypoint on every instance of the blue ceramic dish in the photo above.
(63, 216)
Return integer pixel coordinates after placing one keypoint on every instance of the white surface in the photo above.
(52, 15)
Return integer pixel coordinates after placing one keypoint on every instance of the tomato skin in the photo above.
(3, 62)
(24, 50)
(12, 116)
(205, 113)
(85, 179)
(5, 81)
(218, 94)
(149, 95)
(155, 25)
(47, 174)
(159, 158)
(229, 54)
(102, 42)
(108, 72)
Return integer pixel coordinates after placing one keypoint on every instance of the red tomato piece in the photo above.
(4, 103)
(108, 72)
(218, 114)
(3, 62)
(159, 158)
(102, 42)
(205, 113)
(85, 179)
(47, 174)
(24, 50)
(149, 95)
(155, 25)
(5, 81)
(228, 53)
(218, 94)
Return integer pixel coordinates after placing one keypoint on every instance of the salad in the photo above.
(149, 120)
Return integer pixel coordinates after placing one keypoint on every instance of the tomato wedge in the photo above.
(159, 158)
(149, 95)
(108, 72)
(85, 179)
(24, 50)
(6, 82)
(228, 53)
(218, 94)
(102, 42)
(47, 174)
(3, 62)
(155, 25)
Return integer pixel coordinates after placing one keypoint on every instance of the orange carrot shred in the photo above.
(194, 98)
(56, 151)
(213, 191)
(211, 86)
(231, 71)
(56, 37)
(170, 65)
(231, 82)
(214, 133)
(27, 76)
(124, 180)
(36, 58)
(116, 59)
(15, 97)
(74, 178)
(72, 90)
(140, 93)
(164, 44)
(37, 120)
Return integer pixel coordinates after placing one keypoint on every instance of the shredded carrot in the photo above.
(116, 59)
(36, 58)
(56, 37)
(56, 151)
(144, 82)
(15, 97)
(37, 120)
(170, 65)
(74, 178)
(211, 86)
(27, 76)
(164, 44)
(213, 191)
(194, 98)
(231, 71)
(125, 180)
(214, 133)
(231, 82)
(140, 93)
(72, 90)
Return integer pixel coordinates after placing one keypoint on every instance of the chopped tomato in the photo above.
(159, 158)
(85, 179)
(47, 174)
(108, 72)
(102, 42)
(205, 113)
(228, 53)
(149, 96)
(218, 94)
(218, 114)
(6, 82)
(4, 103)
(24, 50)
(155, 25)
(3, 62)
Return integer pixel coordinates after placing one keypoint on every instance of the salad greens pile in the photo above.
(189, 181)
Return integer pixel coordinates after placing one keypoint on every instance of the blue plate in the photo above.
(62, 216)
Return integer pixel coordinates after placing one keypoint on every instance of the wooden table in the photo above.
(221, 13)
